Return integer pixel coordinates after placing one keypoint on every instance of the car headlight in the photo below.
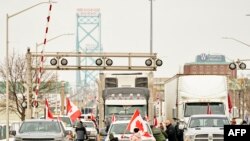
(189, 137)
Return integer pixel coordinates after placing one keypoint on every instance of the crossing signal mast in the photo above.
(103, 61)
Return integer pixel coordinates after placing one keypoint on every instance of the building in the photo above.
(210, 64)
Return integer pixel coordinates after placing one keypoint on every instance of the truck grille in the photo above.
(208, 137)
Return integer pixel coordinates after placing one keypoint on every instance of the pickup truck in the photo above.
(209, 127)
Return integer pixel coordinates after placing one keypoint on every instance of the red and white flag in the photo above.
(113, 119)
(209, 111)
(136, 121)
(48, 113)
(230, 105)
(92, 116)
(72, 111)
(155, 121)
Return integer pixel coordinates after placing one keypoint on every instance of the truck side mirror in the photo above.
(235, 112)
(174, 113)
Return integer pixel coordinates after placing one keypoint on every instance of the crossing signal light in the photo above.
(64, 62)
(242, 66)
(53, 61)
(98, 62)
(232, 66)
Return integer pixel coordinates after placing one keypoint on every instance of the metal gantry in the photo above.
(103, 62)
(59, 61)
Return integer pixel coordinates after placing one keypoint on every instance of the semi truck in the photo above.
(187, 95)
(120, 94)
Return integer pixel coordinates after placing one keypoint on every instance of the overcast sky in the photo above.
(182, 29)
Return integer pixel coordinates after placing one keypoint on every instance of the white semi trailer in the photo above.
(187, 95)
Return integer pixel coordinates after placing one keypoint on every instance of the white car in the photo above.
(205, 127)
(118, 128)
(67, 123)
(91, 129)
(41, 129)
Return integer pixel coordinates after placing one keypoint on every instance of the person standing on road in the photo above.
(81, 132)
(179, 132)
(233, 122)
(170, 131)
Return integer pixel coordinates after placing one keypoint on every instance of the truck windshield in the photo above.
(124, 110)
(208, 122)
(202, 108)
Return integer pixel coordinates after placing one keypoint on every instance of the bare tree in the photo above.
(17, 91)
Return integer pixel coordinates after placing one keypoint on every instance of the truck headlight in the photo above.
(189, 138)
(18, 138)
(58, 139)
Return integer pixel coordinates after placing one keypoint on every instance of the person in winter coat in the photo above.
(136, 136)
(157, 133)
(81, 132)
(244, 122)
(179, 132)
(162, 127)
(170, 131)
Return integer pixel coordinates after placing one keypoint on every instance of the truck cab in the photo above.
(120, 94)
(205, 127)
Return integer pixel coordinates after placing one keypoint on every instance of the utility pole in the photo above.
(62, 98)
(151, 26)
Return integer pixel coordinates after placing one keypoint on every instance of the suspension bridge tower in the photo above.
(88, 40)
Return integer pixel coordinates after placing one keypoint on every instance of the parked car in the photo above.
(69, 126)
(41, 129)
(14, 127)
(118, 129)
(91, 129)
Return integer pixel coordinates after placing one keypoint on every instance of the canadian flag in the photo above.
(209, 111)
(72, 111)
(113, 119)
(136, 121)
(48, 113)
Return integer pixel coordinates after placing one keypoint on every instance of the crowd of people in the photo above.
(234, 122)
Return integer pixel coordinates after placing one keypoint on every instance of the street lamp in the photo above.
(7, 62)
(238, 63)
(230, 38)
(53, 61)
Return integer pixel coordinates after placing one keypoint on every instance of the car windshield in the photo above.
(208, 122)
(88, 124)
(40, 126)
(120, 128)
(66, 121)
